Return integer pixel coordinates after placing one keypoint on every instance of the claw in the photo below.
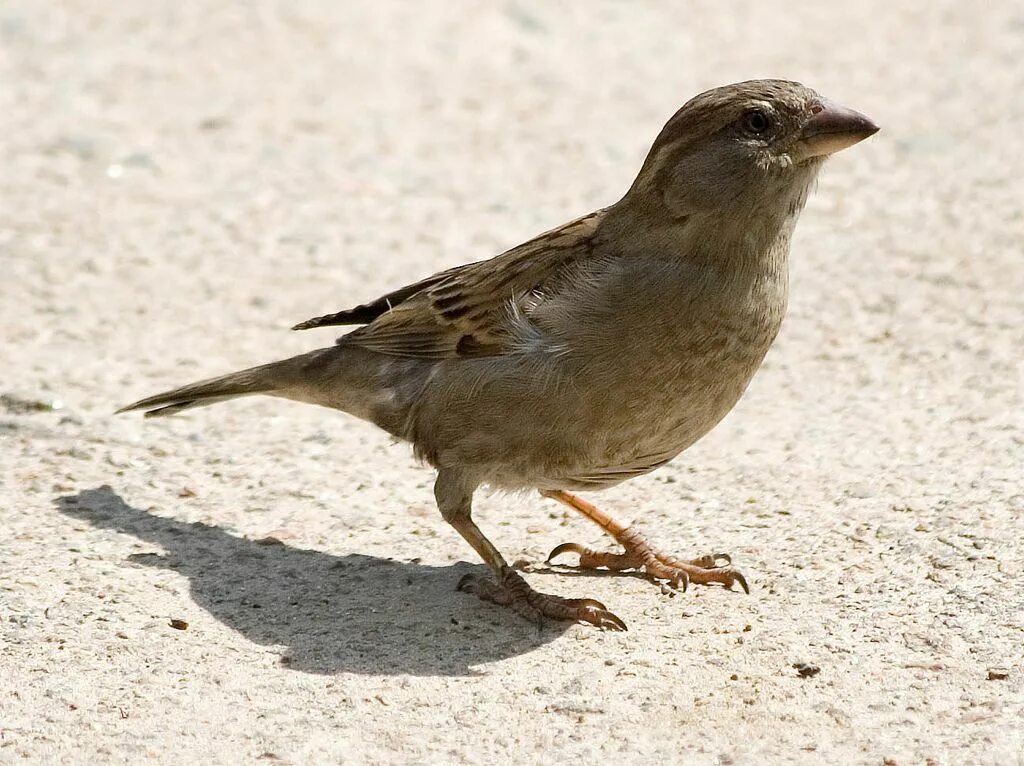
(602, 618)
(712, 561)
(724, 576)
(609, 621)
(586, 603)
(680, 582)
(558, 550)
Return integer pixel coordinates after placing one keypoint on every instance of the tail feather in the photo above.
(340, 377)
(274, 378)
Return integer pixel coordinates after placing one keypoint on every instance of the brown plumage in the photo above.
(595, 352)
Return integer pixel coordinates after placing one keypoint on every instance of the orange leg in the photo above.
(639, 555)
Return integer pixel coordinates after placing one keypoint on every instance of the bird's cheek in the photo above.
(710, 180)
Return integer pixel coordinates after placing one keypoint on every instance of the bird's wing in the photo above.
(470, 310)
(367, 312)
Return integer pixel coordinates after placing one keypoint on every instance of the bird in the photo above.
(593, 353)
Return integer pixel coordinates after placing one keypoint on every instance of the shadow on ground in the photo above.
(353, 613)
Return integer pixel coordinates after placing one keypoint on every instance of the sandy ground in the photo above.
(184, 180)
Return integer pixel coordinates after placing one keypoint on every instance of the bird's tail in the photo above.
(276, 379)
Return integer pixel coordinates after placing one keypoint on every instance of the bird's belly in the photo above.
(667, 405)
(632, 447)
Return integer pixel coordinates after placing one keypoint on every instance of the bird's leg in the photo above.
(454, 499)
(638, 554)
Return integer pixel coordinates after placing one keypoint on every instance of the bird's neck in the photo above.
(746, 242)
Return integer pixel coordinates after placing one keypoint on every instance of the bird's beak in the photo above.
(831, 129)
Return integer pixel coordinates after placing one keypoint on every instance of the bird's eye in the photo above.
(756, 122)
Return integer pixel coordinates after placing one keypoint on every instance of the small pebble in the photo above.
(806, 669)
(998, 674)
(860, 490)
(179, 624)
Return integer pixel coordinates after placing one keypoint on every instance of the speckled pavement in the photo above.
(264, 581)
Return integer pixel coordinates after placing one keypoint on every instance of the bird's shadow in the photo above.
(352, 613)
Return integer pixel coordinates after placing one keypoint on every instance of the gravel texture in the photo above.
(184, 180)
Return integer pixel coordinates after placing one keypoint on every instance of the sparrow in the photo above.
(593, 353)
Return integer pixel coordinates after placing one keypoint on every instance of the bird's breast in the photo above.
(674, 370)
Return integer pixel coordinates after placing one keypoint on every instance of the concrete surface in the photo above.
(182, 181)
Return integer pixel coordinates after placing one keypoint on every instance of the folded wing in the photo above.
(470, 310)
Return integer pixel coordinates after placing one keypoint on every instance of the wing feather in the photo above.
(470, 310)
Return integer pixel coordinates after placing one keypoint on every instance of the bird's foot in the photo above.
(513, 591)
(639, 555)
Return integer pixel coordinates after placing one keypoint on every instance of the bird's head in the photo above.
(744, 150)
